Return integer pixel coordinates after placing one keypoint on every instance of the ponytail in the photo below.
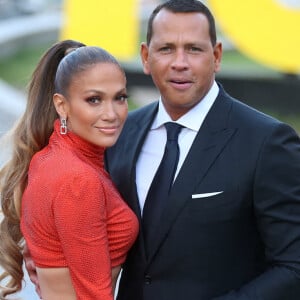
(29, 136)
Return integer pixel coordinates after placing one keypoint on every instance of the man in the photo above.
(230, 228)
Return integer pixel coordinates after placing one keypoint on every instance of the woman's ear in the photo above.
(60, 104)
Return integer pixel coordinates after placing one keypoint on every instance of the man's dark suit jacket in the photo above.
(238, 237)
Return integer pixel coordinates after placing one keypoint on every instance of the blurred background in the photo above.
(261, 61)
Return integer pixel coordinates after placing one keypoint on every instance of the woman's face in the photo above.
(96, 105)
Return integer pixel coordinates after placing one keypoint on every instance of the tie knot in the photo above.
(173, 130)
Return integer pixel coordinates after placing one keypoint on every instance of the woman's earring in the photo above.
(63, 126)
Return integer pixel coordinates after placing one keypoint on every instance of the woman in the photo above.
(55, 191)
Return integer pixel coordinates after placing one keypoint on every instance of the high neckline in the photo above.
(87, 151)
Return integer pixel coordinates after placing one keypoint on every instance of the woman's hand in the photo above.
(31, 269)
(115, 274)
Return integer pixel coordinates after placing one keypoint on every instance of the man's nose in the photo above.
(180, 59)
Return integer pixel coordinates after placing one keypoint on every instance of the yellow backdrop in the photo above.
(111, 25)
(266, 30)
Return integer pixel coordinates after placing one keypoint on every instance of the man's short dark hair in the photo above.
(184, 6)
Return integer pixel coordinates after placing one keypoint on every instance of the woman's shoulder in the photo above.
(61, 164)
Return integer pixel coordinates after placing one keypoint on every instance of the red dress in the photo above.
(73, 216)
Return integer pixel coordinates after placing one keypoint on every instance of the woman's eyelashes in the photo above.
(93, 99)
(98, 99)
(122, 97)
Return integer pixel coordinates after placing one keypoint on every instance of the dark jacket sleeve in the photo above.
(277, 212)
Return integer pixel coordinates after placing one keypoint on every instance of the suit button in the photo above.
(147, 279)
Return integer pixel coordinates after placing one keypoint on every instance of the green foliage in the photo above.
(236, 63)
(291, 119)
(18, 68)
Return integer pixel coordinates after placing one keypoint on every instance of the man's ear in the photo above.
(144, 56)
(60, 104)
(218, 56)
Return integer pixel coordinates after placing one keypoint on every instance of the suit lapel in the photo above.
(208, 144)
(136, 133)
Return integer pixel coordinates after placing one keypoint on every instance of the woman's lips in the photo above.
(108, 130)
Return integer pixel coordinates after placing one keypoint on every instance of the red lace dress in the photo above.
(73, 216)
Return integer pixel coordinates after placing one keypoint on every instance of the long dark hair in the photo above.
(53, 73)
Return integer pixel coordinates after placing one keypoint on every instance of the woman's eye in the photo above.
(122, 97)
(93, 100)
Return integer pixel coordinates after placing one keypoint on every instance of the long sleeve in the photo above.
(81, 220)
(277, 210)
(73, 216)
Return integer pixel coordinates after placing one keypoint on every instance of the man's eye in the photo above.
(195, 49)
(165, 49)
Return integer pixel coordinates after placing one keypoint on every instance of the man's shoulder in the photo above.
(242, 113)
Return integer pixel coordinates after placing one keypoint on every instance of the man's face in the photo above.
(181, 59)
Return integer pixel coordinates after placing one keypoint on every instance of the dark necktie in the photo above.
(161, 184)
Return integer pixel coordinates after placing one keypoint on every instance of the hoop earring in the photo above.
(63, 126)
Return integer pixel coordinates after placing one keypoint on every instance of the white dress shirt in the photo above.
(154, 145)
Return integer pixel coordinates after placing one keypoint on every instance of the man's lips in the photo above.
(180, 84)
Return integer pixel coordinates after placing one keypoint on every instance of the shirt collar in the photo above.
(194, 118)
